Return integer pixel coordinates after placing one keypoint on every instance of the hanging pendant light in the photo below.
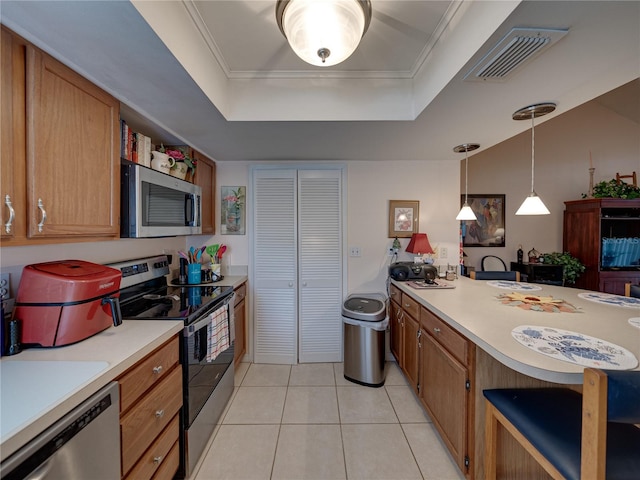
(465, 212)
(323, 32)
(533, 204)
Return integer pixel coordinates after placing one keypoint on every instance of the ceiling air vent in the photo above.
(515, 49)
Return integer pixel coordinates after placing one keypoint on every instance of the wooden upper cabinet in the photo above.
(205, 177)
(12, 144)
(72, 164)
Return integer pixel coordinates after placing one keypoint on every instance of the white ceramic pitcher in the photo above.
(162, 162)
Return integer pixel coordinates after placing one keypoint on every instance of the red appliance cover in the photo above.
(62, 302)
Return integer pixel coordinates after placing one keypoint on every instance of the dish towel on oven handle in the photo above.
(217, 333)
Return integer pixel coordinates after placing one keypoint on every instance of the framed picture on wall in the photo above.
(403, 218)
(488, 230)
(232, 210)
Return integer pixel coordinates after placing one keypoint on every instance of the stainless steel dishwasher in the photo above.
(85, 443)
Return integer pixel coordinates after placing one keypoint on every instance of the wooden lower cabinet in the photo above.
(395, 331)
(150, 402)
(446, 372)
(163, 449)
(452, 373)
(240, 319)
(405, 334)
(411, 336)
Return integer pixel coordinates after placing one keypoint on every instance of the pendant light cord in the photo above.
(466, 175)
(533, 141)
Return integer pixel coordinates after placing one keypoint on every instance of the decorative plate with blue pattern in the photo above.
(611, 299)
(511, 285)
(575, 347)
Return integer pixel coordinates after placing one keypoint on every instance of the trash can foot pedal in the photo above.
(374, 385)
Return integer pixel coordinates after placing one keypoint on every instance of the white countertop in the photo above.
(472, 308)
(39, 386)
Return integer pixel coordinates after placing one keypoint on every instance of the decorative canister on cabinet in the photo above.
(179, 170)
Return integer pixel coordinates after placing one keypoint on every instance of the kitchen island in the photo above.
(31, 402)
(465, 335)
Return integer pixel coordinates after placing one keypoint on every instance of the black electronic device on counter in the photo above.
(403, 271)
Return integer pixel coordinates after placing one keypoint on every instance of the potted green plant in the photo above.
(615, 189)
(572, 267)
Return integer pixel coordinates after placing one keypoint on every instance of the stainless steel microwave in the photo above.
(154, 204)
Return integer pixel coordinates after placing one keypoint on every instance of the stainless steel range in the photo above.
(207, 361)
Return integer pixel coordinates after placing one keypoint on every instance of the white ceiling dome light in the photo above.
(323, 32)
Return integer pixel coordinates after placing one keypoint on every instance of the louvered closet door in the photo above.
(297, 247)
(320, 265)
(275, 266)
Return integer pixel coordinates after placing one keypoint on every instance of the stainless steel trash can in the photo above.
(365, 322)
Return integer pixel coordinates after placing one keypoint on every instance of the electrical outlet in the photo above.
(443, 252)
(5, 285)
(354, 252)
(392, 251)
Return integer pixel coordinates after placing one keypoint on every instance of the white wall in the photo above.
(13, 259)
(370, 186)
(562, 147)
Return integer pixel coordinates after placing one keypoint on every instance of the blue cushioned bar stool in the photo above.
(588, 436)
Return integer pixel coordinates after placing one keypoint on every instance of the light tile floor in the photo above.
(306, 422)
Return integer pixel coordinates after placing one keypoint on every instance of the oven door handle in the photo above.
(189, 330)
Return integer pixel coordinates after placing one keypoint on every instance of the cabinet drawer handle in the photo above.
(157, 370)
(44, 215)
(157, 460)
(12, 214)
(407, 305)
(159, 413)
(436, 329)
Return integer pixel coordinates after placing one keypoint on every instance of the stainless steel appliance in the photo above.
(66, 301)
(85, 443)
(154, 204)
(207, 377)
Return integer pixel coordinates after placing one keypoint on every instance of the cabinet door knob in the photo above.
(159, 413)
(157, 370)
(436, 329)
(12, 214)
(44, 215)
(157, 460)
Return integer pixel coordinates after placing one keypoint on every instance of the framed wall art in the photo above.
(403, 218)
(232, 210)
(488, 230)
